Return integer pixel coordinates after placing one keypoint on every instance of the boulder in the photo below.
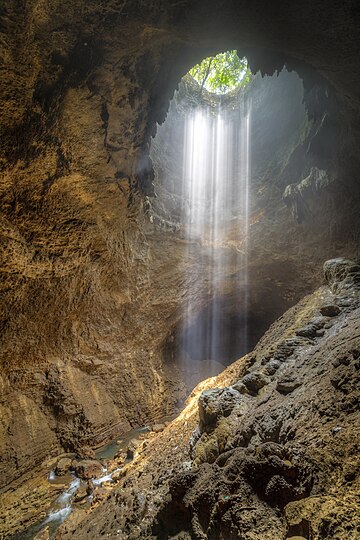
(308, 331)
(287, 347)
(81, 494)
(63, 466)
(88, 468)
(330, 310)
(240, 387)
(132, 448)
(216, 403)
(255, 381)
(272, 367)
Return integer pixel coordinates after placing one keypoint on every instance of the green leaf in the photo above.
(222, 73)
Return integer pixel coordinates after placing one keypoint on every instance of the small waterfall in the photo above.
(216, 174)
(62, 507)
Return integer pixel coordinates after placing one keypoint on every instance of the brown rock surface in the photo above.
(63, 466)
(88, 468)
(25, 501)
(43, 535)
(271, 465)
(90, 289)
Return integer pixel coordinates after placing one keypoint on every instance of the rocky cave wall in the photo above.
(89, 288)
(290, 190)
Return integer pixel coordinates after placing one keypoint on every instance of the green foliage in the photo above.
(222, 73)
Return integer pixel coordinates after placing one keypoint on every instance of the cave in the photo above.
(180, 270)
(205, 193)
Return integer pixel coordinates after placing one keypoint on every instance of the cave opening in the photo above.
(225, 130)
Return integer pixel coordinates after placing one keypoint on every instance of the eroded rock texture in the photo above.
(274, 446)
(90, 289)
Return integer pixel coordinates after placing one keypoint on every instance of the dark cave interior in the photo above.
(98, 268)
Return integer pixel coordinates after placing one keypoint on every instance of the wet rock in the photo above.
(330, 310)
(269, 428)
(255, 381)
(63, 466)
(117, 475)
(81, 494)
(287, 386)
(313, 327)
(88, 468)
(319, 322)
(157, 428)
(209, 409)
(287, 347)
(132, 448)
(89, 487)
(328, 325)
(194, 439)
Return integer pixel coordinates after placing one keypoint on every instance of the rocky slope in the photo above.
(274, 452)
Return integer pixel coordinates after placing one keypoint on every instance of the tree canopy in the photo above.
(222, 73)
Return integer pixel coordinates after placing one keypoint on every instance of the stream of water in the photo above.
(62, 505)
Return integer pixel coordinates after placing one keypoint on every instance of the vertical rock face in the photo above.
(89, 289)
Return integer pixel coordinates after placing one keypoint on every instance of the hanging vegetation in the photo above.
(222, 73)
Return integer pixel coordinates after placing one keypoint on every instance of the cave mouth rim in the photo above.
(223, 73)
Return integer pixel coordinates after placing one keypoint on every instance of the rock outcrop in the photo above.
(278, 462)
